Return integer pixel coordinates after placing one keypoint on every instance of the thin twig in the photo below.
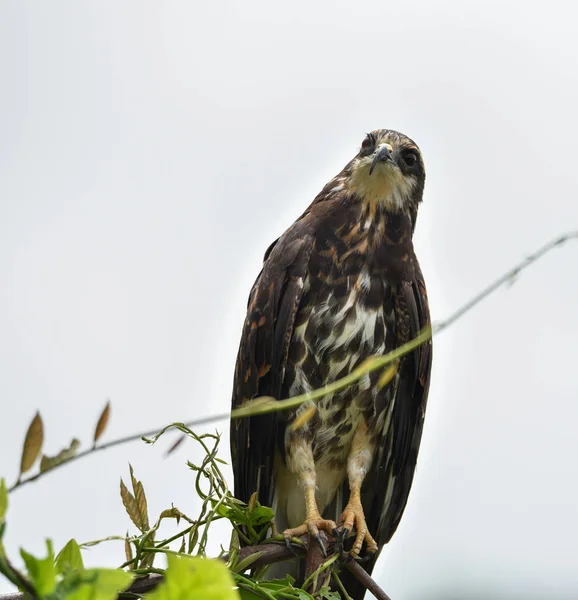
(261, 406)
(366, 580)
(18, 578)
(507, 277)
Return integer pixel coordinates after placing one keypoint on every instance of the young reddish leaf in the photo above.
(131, 506)
(141, 500)
(32, 443)
(102, 422)
(128, 552)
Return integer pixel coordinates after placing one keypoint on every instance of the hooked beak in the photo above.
(382, 155)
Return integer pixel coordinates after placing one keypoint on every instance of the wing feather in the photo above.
(398, 465)
(262, 357)
(386, 488)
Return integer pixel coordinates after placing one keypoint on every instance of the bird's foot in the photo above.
(353, 517)
(313, 525)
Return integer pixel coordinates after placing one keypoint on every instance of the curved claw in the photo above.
(312, 527)
(353, 517)
(321, 545)
(289, 545)
(363, 559)
(341, 535)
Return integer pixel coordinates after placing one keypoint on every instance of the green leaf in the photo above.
(286, 585)
(249, 595)
(327, 594)
(2, 530)
(261, 515)
(42, 571)
(192, 577)
(244, 564)
(3, 499)
(275, 588)
(96, 584)
(69, 558)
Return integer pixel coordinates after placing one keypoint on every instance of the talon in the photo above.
(289, 544)
(363, 559)
(313, 526)
(321, 545)
(353, 517)
(338, 535)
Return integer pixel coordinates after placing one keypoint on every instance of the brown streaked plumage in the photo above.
(341, 284)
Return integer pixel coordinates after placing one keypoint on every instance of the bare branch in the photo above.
(366, 580)
(507, 277)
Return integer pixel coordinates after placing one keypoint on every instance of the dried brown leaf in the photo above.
(128, 552)
(171, 513)
(32, 443)
(102, 422)
(49, 462)
(252, 502)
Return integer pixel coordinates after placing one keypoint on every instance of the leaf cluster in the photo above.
(189, 573)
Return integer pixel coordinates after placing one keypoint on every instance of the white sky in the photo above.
(149, 153)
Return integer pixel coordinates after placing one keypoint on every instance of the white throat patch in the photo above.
(386, 186)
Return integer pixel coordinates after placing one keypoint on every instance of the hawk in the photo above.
(340, 285)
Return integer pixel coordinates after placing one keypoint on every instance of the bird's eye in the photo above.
(367, 143)
(409, 158)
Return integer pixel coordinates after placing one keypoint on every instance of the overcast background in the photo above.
(149, 153)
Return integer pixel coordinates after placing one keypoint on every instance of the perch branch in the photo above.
(277, 552)
(270, 553)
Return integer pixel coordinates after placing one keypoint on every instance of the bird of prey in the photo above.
(340, 285)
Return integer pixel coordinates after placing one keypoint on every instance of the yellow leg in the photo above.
(300, 462)
(358, 464)
(353, 516)
(313, 520)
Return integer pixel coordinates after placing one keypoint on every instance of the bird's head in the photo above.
(388, 171)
